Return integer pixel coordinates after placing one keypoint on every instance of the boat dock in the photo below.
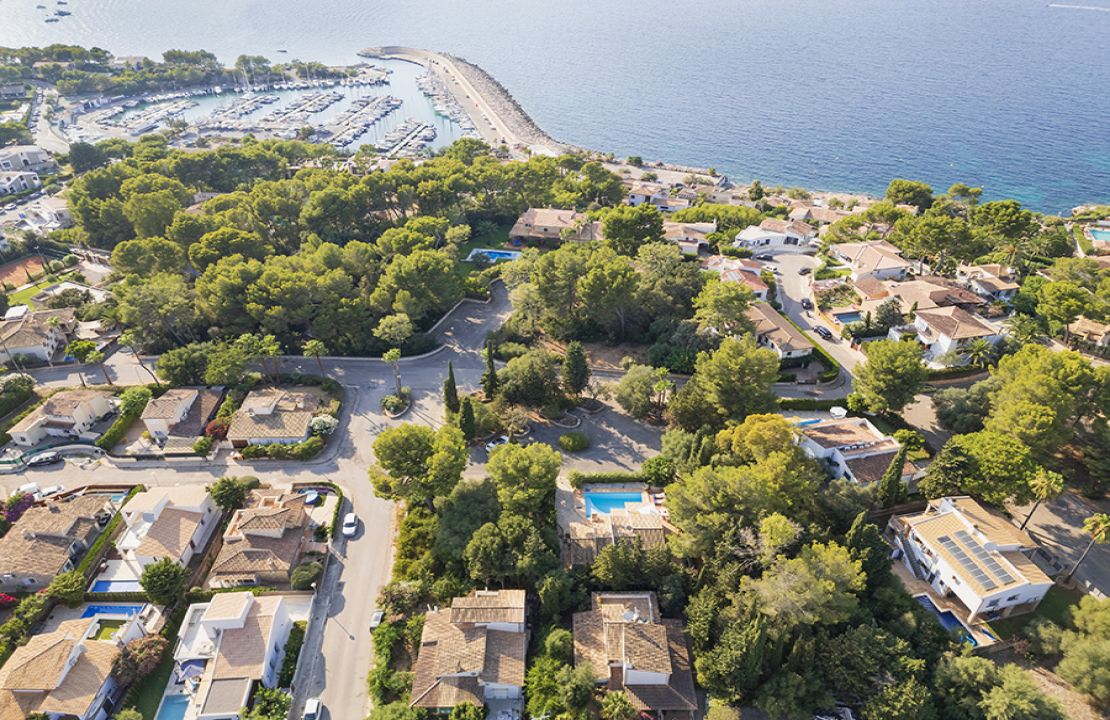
(354, 123)
(408, 140)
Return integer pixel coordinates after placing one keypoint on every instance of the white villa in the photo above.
(877, 259)
(991, 281)
(68, 414)
(166, 522)
(945, 330)
(775, 236)
(965, 550)
(775, 332)
(228, 646)
(853, 448)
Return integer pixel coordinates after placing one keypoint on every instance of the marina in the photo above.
(407, 140)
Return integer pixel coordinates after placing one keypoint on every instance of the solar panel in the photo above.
(984, 557)
(967, 563)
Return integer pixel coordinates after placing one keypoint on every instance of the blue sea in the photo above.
(1011, 95)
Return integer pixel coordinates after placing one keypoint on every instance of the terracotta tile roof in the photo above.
(770, 324)
(270, 512)
(174, 495)
(227, 606)
(870, 256)
(60, 404)
(83, 681)
(39, 543)
(486, 606)
(39, 664)
(34, 328)
(678, 693)
(169, 405)
(842, 433)
(871, 468)
(954, 322)
(242, 651)
(449, 649)
(170, 534)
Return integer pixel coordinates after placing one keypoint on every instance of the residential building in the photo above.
(34, 335)
(26, 158)
(1091, 331)
(992, 281)
(54, 212)
(964, 550)
(11, 91)
(231, 645)
(47, 540)
(167, 522)
(67, 414)
(656, 194)
(691, 238)
(264, 541)
(853, 448)
(877, 259)
(775, 236)
(816, 214)
(634, 650)
(945, 330)
(741, 270)
(181, 412)
(67, 672)
(272, 415)
(586, 537)
(13, 182)
(551, 225)
(472, 652)
(775, 332)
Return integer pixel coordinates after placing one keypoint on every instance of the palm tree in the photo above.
(128, 339)
(1025, 329)
(1046, 485)
(1098, 527)
(315, 348)
(979, 352)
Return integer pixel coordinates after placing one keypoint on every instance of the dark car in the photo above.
(805, 271)
(823, 332)
(807, 304)
(49, 458)
(764, 258)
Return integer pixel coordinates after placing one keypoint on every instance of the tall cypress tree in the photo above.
(891, 490)
(466, 419)
(490, 382)
(450, 390)
(576, 371)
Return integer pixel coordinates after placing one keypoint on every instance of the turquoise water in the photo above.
(173, 708)
(606, 502)
(947, 619)
(492, 255)
(847, 318)
(92, 610)
(840, 94)
(1103, 235)
(116, 586)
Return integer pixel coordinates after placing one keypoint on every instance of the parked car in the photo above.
(52, 490)
(311, 709)
(497, 442)
(807, 304)
(29, 489)
(805, 270)
(350, 524)
(376, 618)
(50, 458)
(824, 332)
(764, 257)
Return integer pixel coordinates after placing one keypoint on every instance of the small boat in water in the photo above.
(283, 51)
(53, 19)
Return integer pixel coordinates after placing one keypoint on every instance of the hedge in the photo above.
(96, 550)
(292, 653)
(573, 441)
(959, 371)
(809, 403)
(137, 596)
(119, 428)
(833, 367)
(579, 479)
(304, 450)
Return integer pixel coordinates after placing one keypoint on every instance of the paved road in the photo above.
(1058, 528)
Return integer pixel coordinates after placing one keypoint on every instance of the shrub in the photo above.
(303, 450)
(229, 493)
(658, 471)
(7, 601)
(69, 588)
(305, 574)
(509, 350)
(139, 658)
(218, 428)
(573, 441)
(323, 425)
(580, 479)
(292, 653)
(163, 581)
(393, 403)
(203, 445)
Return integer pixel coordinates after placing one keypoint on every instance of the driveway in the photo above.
(1058, 528)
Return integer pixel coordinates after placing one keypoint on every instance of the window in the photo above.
(1013, 597)
(993, 603)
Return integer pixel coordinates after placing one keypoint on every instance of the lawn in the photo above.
(152, 686)
(495, 238)
(107, 628)
(23, 297)
(1056, 607)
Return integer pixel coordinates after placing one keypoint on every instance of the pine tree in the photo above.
(891, 490)
(466, 419)
(450, 390)
(576, 371)
(490, 382)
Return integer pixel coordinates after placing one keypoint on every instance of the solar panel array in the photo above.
(967, 563)
(984, 557)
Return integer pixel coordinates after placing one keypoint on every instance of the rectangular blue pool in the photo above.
(111, 610)
(173, 707)
(116, 586)
(947, 619)
(847, 318)
(491, 255)
(1101, 235)
(606, 502)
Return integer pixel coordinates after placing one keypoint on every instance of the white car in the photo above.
(311, 709)
(52, 490)
(497, 442)
(350, 524)
(376, 618)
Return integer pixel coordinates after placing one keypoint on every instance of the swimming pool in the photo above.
(111, 610)
(847, 318)
(947, 619)
(116, 586)
(1101, 235)
(173, 707)
(606, 502)
(491, 255)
